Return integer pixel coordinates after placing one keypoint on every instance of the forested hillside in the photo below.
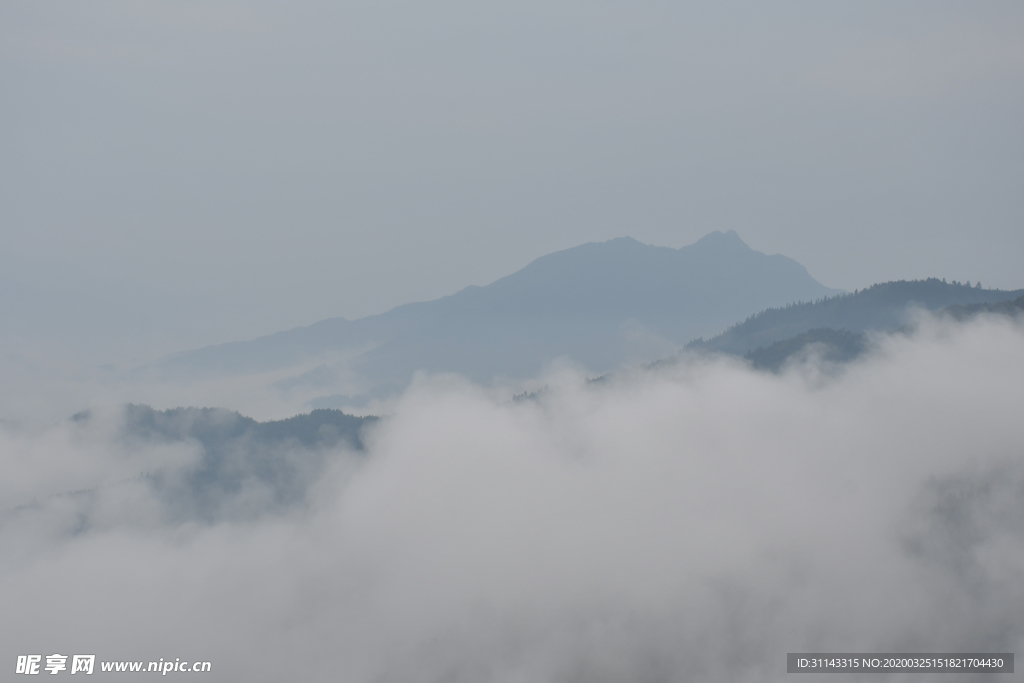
(244, 467)
(884, 306)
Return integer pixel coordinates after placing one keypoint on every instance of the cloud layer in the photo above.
(695, 522)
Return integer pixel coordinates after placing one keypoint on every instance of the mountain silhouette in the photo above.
(881, 307)
(598, 304)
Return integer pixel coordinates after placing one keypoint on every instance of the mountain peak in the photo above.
(624, 240)
(719, 239)
(600, 304)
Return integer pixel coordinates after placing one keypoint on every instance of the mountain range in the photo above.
(241, 468)
(837, 326)
(880, 307)
(601, 305)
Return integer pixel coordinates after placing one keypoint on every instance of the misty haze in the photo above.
(536, 342)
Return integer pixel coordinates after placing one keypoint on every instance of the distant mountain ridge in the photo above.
(840, 346)
(243, 468)
(281, 458)
(881, 307)
(599, 304)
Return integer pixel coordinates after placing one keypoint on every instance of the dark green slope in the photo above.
(245, 468)
(881, 307)
(215, 428)
(835, 346)
(840, 346)
(963, 312)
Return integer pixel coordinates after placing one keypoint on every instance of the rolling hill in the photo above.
(881, 307)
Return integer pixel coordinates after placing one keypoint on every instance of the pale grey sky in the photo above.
(253, 166)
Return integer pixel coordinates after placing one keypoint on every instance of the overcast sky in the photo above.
(270, 164)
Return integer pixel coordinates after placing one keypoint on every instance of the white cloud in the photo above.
(694, 523)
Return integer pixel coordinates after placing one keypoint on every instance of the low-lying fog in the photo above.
(695, 521)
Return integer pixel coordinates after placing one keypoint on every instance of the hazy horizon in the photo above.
(263, 166)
